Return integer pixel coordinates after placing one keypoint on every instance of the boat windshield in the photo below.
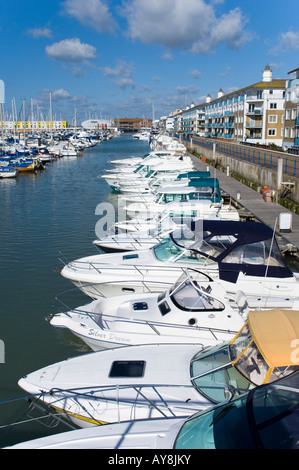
(213, 375)
(273, 412)
(249, 362)
(187, 296)
(167, 250)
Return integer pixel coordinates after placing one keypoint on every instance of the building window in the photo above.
(271, 132)
(294, 113)
(272, 118)
(287, 114)
(273, 105)
(286, 132)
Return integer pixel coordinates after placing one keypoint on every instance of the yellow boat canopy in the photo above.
(273, 332)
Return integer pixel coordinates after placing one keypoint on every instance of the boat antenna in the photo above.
(271, 247)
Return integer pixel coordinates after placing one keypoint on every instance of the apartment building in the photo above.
(291, 116)
(266, 112)
(254, 114)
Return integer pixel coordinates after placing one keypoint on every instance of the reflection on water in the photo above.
(46, 217)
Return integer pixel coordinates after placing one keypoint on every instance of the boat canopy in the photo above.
(248, 247)
(263, 349)
(274, 332)
(197, 188)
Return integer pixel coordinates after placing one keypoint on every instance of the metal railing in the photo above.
(255, 155)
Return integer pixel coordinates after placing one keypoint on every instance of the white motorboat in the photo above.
(205, 191)
(148, 192)
(137, 234)
(181, 212)
(194, 309)
(146, 173)
(168, 380)
(135, 161)
(145, 164)
(143, 134)
(7, 171)
(243, 255)
(226, 426)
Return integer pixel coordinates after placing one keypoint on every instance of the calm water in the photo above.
(45, 217)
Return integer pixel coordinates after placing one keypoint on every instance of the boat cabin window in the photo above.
(260, 253)
(214, 376)
(167, 250)
(204, 193)
(127, 369)
(166, 198)
(216, 245)
(266, 415)
(187, 297)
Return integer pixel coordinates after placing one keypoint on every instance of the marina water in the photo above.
(47, 218)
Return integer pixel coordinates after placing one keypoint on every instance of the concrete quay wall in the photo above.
(275, 179)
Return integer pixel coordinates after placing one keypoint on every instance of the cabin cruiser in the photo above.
(137, 233)
(202, 190)
(148, 192)
(145, 173)
(181, 211)
(135, 161)
(142, 135)
(244, 256)
(168, 380)
(254, 420)
(194, 309)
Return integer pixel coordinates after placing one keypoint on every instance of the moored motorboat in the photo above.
(244, 256)
(194, 309)
(8, 171)
(169, 380)
(254, 420)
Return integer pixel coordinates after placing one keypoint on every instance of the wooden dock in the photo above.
(252, 203)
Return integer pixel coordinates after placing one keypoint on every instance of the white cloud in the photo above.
(288, 41)
(61, 94)
(91, 13)
(190, 25)
(167, 56)
(189, 89)
(71, 50)
(122, 69)
(226, 71)
(122, 74)
(124, 82)
(40, 32)
(195, 73)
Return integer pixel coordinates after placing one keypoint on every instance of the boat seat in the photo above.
(241, 299)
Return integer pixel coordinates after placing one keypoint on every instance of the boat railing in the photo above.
(154, 325)
(149, 289)
(134, 395)
(143, 269)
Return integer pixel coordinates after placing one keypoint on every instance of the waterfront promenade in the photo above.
(253, 203)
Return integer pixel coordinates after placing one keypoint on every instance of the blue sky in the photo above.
(128, 58)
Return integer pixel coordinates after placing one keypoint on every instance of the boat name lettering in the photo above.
(109, 337)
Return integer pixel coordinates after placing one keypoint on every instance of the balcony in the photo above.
(255, 111)
(254, 125)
